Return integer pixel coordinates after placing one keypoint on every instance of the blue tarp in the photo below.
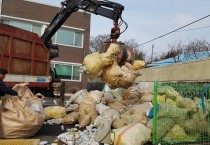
(181, 58)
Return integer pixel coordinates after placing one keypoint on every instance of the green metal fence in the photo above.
(181, 113)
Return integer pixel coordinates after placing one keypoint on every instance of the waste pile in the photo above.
(120, 116)
(112, 117)
(125, 116)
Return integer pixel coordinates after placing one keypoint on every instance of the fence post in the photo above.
(154, 130)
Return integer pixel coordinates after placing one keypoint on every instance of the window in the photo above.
(67, 71)
(36, 29)
(24, 25)
(63, 36)
(76, 73)
(68, 37)
(5, 22)
(64, 71)
(78, 39)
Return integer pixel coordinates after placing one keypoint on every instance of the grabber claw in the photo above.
(115, 32)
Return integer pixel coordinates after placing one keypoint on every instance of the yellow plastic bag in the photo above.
(138, 64)
(96, 62)
(54, 112)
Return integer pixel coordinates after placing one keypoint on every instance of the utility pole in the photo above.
(0, 8)
(152, 53)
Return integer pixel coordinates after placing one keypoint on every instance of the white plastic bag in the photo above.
(101, 108)
(134, 134)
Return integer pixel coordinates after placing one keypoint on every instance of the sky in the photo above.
(149, 19)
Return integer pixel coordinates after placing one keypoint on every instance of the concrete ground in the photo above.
(50, 132)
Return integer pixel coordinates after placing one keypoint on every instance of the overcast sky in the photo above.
(148, 19)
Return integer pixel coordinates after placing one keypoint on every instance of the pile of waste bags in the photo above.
(125, 116)
(120, 116)
(105, 117)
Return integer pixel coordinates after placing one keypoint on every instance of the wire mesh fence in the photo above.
(181, 113)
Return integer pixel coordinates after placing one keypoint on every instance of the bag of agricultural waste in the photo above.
(170, 92)
(138, 64)
(117, 49)
(108, 97)
(118, 123)
(149, 124)
(21, 116)
(78, 97)
(187, 103)
(198, 102)
(132, 92)
(129, 76)
(170, 102)
(195, 127)
(71, 107)
(94, 63)
(129, 102)
(134, 134)
(71, 118)
(107, 116)
(146, 97)
(173, 112)
(54, 112)
(96, 95)
(198, 123)
(84, 120)
(88, 107)
(146, 87)
(164, 125)
(112, 74)
(117, 105)
(118, 93)
(161, 99)
(144, 107)
(101, 108)
(137, 117)
(177, 135)
(116, 76)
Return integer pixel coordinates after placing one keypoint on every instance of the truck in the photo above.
(27, 56)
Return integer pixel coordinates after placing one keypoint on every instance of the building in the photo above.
(72, 38)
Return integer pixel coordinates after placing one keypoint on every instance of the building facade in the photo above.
(72, 38)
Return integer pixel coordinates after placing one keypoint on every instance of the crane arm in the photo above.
(104, 8)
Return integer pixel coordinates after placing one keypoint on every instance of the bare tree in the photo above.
(196, 47)
(139, 55)
(98, 43)
(132, 44)
(191, 50)
(175, 49)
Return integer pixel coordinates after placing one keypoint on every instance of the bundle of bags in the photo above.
(110, 67)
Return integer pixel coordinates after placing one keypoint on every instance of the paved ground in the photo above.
(50, 132)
